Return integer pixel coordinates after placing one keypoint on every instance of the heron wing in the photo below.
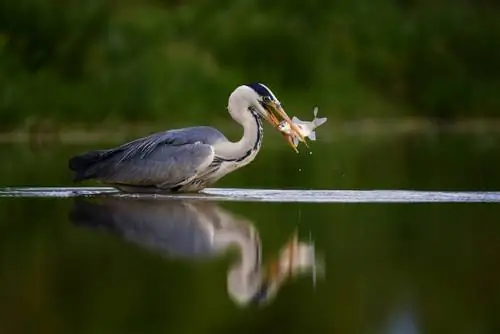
(177, 137)
(162, 159)
(165, 166)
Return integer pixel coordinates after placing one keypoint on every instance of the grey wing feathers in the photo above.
(176, 137)
(165, 158)
(166, 167)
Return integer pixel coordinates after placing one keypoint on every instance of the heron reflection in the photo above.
(198, 230)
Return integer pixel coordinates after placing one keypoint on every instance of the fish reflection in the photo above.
(193, 229)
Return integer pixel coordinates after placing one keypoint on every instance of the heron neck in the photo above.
(250, 141)
(252, 133)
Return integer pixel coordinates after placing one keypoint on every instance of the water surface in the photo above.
(380, 235)
(270, 195)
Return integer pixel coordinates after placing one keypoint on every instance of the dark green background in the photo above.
(95, 61)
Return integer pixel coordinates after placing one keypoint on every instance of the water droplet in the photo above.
(310, 152)
(300, 169)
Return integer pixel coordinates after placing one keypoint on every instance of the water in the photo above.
(272, 195)
(408, 242)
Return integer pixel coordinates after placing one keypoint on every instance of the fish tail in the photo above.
(319, 121)
(315, 111)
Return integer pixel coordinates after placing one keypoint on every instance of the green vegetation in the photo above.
(94, 61)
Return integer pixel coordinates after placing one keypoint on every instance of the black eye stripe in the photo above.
(261, 90)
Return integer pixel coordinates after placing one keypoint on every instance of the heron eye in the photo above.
(266, 98)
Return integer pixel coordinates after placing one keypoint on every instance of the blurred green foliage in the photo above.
(170, 60)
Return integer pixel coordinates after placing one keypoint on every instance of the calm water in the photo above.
(76, 262)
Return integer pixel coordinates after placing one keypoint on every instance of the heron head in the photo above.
(269, 107)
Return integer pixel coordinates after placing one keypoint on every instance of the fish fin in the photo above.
(312, 135)
(295, 141)
(296, 120)
(319, 121)
(315, 111)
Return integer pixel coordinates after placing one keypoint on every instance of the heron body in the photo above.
(188, 159)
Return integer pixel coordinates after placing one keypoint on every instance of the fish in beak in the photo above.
(276, 111)
(306, 129)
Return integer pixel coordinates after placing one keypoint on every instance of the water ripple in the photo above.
(273, 195)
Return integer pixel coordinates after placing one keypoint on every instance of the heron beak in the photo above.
(275, 111)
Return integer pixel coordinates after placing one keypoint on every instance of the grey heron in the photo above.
(187, 159)
(200, 230)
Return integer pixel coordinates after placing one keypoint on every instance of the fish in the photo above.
(305, 128)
